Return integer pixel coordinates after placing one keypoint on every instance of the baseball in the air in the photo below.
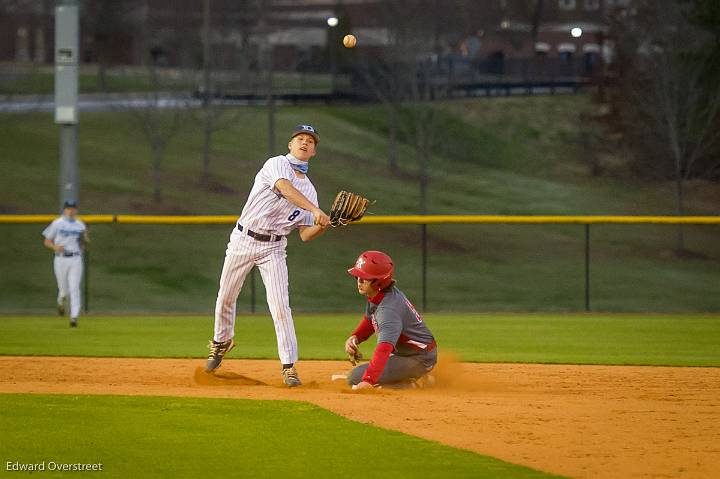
(349, 41)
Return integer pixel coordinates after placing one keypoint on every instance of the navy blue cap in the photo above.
(308, 130)
(70, 204)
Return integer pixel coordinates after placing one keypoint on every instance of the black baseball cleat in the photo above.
(61, 309)
(73, 323)
(217, 352)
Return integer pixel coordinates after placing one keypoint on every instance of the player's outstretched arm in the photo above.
(309, 233)
(298, 199)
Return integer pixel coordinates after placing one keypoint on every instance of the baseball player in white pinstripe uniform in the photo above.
(282, 199)
(67, 237)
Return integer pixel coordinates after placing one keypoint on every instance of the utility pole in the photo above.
(206, 53)
(66, 93)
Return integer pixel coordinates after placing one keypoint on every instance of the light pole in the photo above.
(572, 63)
(332, 40)
(66, 93)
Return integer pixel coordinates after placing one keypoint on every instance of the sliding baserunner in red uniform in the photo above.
(406, 349)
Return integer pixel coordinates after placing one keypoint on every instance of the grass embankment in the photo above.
(496, 156)
(29, 80)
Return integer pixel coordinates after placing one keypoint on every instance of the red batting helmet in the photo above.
(374, 265)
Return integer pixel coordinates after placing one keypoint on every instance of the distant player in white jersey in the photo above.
(67, 237)
(282, 199)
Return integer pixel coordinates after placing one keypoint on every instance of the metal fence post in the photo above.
(86, 280)
(423, 235)
(587, 267)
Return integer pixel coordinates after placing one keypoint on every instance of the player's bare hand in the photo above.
(321, 218)
(363, 385)
(59, 248)
(351, 346)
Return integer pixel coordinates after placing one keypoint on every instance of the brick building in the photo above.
(169, 31)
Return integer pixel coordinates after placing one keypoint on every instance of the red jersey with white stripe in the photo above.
(396, 321)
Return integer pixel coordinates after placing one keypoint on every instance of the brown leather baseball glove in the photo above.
(347, 207)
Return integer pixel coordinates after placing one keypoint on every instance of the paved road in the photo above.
(99, 102)
(120, 102)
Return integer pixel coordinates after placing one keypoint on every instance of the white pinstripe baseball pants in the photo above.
(68, 274)
(241, 255)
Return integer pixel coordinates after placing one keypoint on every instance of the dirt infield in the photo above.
(578, 421)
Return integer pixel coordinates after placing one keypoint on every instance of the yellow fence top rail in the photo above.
(176, 220)
(372, 219)
(515, 219)
(49, 218)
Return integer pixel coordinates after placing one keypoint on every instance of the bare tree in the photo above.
(405, 77)
(163, 107)
(536, 20)
(267, 66)
(667, 83)
(160, 122)
(384, 82)
(265, 63)
(215, 113)
(108, 22)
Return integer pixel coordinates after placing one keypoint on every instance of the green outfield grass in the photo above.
(687, 340)
(188, 437)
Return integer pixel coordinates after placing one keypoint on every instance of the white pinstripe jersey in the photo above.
(266, 210)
